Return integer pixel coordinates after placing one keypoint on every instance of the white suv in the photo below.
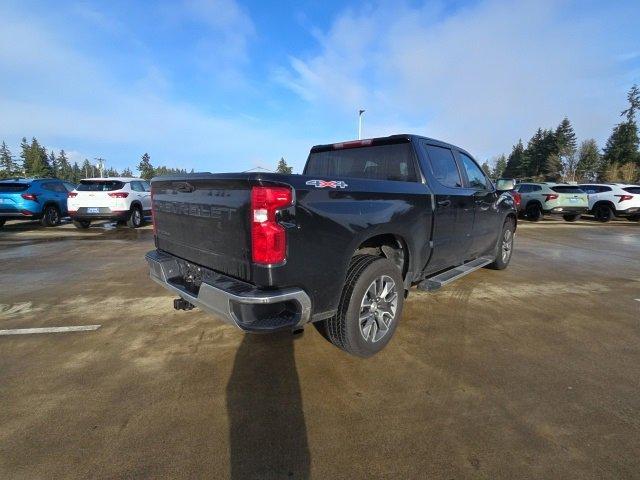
(608, 200)
(121, 199)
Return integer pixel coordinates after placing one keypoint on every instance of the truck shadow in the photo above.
(267, 434)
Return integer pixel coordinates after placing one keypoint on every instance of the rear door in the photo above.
(486, 220)
(143, 195)
(453, 208)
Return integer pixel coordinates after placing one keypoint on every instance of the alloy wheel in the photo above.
(378, 309)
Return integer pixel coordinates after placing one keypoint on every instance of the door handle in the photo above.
(444, 203)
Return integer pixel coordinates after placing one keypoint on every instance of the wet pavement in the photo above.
(533, 372)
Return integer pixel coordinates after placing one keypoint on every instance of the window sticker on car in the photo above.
(327, 183)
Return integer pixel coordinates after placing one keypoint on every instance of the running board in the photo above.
(448, 276)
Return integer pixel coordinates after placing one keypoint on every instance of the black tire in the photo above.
(603, 213)
(82, 224)
(505, 241)
(345, 329)
(534, 212)
(50, 216)
(571, 218)
(135, 219)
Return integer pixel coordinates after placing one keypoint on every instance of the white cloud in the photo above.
(50, 90)
(481, 76)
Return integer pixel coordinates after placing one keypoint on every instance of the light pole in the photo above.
(360, 112)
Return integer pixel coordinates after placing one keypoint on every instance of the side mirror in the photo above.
(504, 184)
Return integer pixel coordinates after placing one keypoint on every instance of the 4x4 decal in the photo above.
(327, 183)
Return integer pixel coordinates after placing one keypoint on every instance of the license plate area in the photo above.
(93, 210)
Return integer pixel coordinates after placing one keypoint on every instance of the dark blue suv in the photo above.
(43, 199)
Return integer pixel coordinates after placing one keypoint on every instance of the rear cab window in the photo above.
(567, 189)
(394, 162)
(11, 187)
(99, 185)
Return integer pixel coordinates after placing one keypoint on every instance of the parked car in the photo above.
(517, 198)
(609, 200)
(43, 199)
(122, 199)
(339, 245)
(539, 199)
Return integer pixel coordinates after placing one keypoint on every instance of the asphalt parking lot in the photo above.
(532, 372)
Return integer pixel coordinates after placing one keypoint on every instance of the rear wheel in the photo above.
(50, 216)
(505, 246)
(534, 212)
(603, 213)
(370, 306)
(135, 217)
(83, 224)
(571, 218)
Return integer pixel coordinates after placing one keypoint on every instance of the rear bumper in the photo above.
(628, 211)
(111, 215)
(239, 303)
(567, 210)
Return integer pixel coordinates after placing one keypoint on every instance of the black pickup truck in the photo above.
(339, 245)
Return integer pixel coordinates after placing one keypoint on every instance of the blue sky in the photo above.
(226, 85)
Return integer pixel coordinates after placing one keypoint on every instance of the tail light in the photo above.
(29, 196)
(268, 238)
(517, 198)
(624, 198)
(550, 196)
(119, 194)
(153, 214)
(72, 194)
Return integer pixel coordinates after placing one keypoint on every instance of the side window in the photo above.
(477, 178)
(48, 186)
(604, 189)
(536, 188)
(146, 186)
(137, 187)
(443, 166)
(59, 187)
(69, 186)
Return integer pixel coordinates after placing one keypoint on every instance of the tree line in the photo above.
(554, 154)
(35, 161)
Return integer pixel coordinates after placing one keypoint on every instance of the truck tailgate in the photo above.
(205, 219)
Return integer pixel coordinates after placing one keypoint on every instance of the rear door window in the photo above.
(137, 187)
(477, 179)
(379, 162)
(444, 166)
(99, 185)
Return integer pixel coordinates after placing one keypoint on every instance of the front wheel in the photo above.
(505, 246)
(570, 218)
(370, 306)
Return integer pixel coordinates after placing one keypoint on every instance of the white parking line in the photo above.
(26, 331)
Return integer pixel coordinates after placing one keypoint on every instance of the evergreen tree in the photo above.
(87, 169)
(77, 173)
(65, 171)
(36, 160)
(283, 167)
(486, 168)
(111, 172)
(517, 163)
(588, 161)
(566, 138)
(53, 162)
(145, 168)
(8, 167)
(127, 172)
(622, 145)
(24, 155)
(500, 166)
